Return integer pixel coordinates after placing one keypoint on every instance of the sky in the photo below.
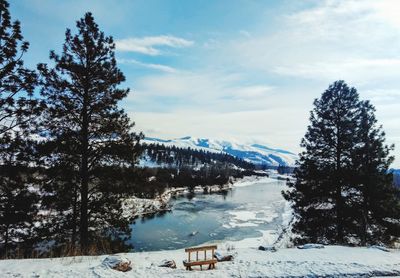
(238, 70)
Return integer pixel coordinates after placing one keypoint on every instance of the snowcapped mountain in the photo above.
(255, 153)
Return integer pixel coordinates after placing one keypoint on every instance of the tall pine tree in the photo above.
(322, 173)
(88, 134)
(343, 192)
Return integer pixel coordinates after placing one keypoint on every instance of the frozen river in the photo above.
(240, 213)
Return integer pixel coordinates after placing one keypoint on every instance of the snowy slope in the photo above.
(332, 261)
(255, 153)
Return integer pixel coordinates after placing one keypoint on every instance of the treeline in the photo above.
(185, 167)
(344, 193)
(184, 157)
(149, 182)
(284, 170)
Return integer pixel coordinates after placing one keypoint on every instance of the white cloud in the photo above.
(334, 39)
(207, 91)
(159, 67)
(151, 45)
(353, 70)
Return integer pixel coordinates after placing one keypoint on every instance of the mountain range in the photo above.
(258, 154)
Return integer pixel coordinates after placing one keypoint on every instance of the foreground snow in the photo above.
(331, 261)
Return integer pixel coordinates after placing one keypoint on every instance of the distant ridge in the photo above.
(255, 153)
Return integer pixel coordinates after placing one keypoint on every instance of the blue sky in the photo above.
(243, 70)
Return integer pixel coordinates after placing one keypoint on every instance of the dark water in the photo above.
(240, 213)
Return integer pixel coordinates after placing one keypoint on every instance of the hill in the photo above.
(257, 154)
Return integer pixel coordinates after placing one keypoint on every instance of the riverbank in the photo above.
(134, 207)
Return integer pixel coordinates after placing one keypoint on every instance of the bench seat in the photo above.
(192, 263)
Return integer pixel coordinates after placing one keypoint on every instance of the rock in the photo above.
(222, 258)
(117, 263)
(167, 263)
(193, 233)
(311, 246)
(267, 248)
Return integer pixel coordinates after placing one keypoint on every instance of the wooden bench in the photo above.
(200, 261)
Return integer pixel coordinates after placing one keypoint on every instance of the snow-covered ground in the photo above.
(330, 261)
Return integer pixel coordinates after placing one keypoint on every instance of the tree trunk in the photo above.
(339, 181)
(74, 217)
(6, 242)
(84, 177)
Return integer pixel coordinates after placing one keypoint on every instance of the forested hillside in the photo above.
(170, 166)
(173, 156)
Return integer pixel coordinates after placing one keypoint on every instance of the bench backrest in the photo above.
(199, 249)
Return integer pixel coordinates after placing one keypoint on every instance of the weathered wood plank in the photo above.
(201, 248)
(193, 263)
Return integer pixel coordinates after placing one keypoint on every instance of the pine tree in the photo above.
(89, 134)
(343, 191)
(18, 107)
(323, 173)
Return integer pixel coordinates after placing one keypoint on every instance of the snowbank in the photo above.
(331, 261)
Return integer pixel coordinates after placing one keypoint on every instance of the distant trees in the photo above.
(282, 169)
(185, 167)
(18, 107)
(180, 157)
(89, 139)
(343, 192)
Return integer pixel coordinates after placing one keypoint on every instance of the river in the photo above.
(239, 213)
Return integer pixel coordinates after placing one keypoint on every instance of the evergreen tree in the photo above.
(89, 134)
(343, 191)
(323, 173)
(18, 107)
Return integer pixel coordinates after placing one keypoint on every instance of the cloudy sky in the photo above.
(247, 70)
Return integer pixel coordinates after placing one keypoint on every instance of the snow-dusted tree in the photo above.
(324, 168)
(89, 135)
(343, 192)
(18, 107)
